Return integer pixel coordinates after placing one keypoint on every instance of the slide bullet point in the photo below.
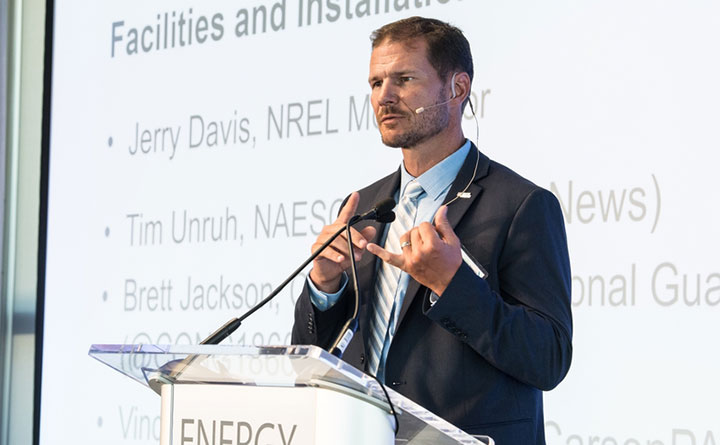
(107, 231)
(110, 141)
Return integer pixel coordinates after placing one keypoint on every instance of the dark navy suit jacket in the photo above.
(482, 355)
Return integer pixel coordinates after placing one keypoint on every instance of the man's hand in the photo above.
(329, 265)
(432, 256)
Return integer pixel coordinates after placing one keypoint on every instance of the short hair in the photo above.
(448, 50)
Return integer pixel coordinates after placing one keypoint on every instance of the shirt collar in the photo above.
(437, 180)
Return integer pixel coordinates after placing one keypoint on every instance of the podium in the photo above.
(291, 395)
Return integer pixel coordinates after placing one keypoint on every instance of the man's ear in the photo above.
(460, 86)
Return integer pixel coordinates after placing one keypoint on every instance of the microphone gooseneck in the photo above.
(382, 212)
(351, 325)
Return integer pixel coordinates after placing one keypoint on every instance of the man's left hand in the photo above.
(431, 254)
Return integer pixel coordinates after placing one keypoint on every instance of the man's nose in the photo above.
(388, 94)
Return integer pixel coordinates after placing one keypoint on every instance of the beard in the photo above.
(422, 126)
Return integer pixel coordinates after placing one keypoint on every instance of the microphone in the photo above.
(382, 212)
(386, 218)
(422, 109)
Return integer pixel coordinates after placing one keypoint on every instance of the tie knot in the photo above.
(413, 190)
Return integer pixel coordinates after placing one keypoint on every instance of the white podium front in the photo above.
(289, 395)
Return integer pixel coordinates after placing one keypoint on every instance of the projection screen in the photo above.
(197, 148)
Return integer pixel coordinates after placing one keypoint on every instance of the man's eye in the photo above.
(405, 79)
(376, 84)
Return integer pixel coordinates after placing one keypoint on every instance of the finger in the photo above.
(362, 237)
(338, 260)
(337, 251)
(368, 233)
(428, 233)
(416, 240)
(331, 253)
(442, 224)
(358, 239)
(340, 245)
(349, 208)
(388, 257)
(404, 240)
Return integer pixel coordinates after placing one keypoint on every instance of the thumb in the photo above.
(349, 208)
(443, 227)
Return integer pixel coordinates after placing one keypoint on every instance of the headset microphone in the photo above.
(454, 95)
(422, 109)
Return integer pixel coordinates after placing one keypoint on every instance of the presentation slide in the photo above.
(197, 148)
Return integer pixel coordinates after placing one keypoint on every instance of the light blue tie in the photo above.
(388, 289)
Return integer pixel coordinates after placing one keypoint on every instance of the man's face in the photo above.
(402, 80)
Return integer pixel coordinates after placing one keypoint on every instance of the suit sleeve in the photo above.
(525, 328)
(313, 326)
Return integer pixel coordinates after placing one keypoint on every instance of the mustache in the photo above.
(389, 109)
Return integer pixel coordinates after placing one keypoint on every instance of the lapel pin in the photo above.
(464, 195)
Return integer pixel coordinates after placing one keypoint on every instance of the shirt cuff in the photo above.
(324, 301)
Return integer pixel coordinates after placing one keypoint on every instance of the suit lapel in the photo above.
(457, 208)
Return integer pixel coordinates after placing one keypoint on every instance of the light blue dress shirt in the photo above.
(436, 183)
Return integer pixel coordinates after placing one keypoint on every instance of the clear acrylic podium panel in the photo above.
(288, 366)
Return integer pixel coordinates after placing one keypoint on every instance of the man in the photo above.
(476, 351)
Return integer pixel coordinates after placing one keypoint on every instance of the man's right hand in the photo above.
(329, 265)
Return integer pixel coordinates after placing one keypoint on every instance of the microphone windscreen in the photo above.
(386, 217)
(384, 206)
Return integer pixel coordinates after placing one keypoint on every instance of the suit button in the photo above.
(362, 358)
